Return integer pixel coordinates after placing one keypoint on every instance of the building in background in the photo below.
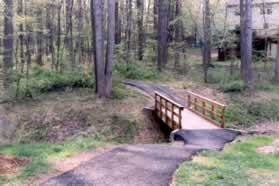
(265, 23)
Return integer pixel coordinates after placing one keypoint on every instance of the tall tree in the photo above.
(155, 12)
(118, 28)
(69, 31)
(242, 34)
(98, 6)
(178, 32)
(21, 35)
(110, 48)
(277, 64)
(39, 14)
(246, 58)
(129, 30)
(140, 7)
(50, 35)
(79, 43)
(8, 43)
(104, 71)
(207, 38)
(58, 42)
(93, 41)
(163, 33)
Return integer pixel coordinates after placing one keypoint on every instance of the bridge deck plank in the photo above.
(192, 121)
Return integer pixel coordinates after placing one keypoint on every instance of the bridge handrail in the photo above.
(164, 104)
(204, 106)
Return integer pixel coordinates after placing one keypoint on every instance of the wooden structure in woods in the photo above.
(168, 111)
(201, 113)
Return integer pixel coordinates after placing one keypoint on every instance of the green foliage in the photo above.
(233, 86)
(238, 114)
(265, 111)
(226, 81)
(42, 153)
(246, 114)
(134, 71)
(238, 164)
(42, 81)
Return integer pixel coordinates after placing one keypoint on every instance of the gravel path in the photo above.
(144, 165)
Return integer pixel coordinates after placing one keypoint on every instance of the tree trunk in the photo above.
(99, 47)
(277, 64)
(21, 36)
(247, 47)
(8, 44)
(93, 40)
(118, 23)
(140, 6)
(50, 37)
(80, 30)
(155, 12)
(110, 47)
(178, 34)
(207, 39)
(58, 42)
(40, 36)
(242, 36)
(163, 34)
(129, 31)
(69, 31)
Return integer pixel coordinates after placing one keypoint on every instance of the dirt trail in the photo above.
(144, 165)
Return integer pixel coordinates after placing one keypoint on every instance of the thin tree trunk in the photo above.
(242, 36)
(69, 31)
(277, 64)
(110, 47)
(40, 36)
(129, 31)
(58, 42)
(93, 42)
(178, 34)
(155, 12)
(80, 27)
(8, 44)
(118, 23)
(21, 36)
(140, 6)
(207, 39)
(163, 34)
(247, 61)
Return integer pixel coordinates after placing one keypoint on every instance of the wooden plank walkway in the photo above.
(192, 121)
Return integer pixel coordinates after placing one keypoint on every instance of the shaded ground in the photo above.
(58, 117)
(141, 165)
(9, 165)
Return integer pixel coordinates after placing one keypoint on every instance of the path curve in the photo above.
(144, 165)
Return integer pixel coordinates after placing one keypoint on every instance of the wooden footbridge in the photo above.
(200, 113)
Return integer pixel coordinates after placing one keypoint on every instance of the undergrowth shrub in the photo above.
(226, 81)
(134, 71)
(233, 86)
(43, 81)
(246, 114)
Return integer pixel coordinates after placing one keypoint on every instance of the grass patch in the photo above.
(43, 154)
(236, 165)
